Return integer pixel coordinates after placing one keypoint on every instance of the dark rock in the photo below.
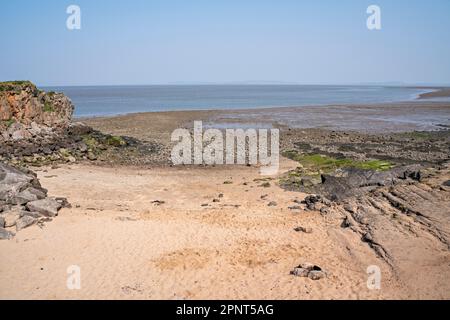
(309, 270)
(272, 204)
(2, 222)
(23, 197)
(63, 202)
(25, 222)
(32, 214)
(303, 229)
(5, 234)
(10, 217)
(48, 207)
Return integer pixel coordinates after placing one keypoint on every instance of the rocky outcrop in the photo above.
(23, 201)
(23, 106)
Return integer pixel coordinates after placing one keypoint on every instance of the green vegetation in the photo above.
(14, 85)
(9, 122)
(48, 107)
(418, 135)
(115, 141)
(315, 164)
(312, 166)
(90, 141)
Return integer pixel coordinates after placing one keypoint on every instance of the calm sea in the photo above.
(113, 100)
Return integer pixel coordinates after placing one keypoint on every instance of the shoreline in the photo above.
(420, 115)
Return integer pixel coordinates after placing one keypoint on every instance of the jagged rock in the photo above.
(348, 182)
(18, 186)
(10, 217)
(23, 197)
(5, 234)
(48, 207)
(25, 222)
(32, 214)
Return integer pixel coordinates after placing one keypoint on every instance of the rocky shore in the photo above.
(36, 129)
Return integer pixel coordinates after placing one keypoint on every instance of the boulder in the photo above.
(5, 234)
(24, 222)
(48, 207)
(18, 186)
(10, 217)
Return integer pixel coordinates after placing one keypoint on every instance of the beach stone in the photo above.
(48, 207)
(307, 265)
(24, 197)
(303, 229)
(348, 207)
(11, 217)
(32, 214)
(316, 275)
(300, 272)
(63, 202)
(5, 234)
(309, 270)
(40, 193)
(24, 222)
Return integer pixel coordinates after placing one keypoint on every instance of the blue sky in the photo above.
(200, 41)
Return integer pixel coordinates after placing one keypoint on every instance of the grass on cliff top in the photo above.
(317, 163)
(8, 85)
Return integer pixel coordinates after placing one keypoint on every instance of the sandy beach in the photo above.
(127, 247)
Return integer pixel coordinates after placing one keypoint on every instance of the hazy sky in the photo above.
(190, 41)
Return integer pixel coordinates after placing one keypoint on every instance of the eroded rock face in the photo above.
(22, 103)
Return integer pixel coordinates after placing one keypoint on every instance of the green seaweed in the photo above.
(313, 164)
